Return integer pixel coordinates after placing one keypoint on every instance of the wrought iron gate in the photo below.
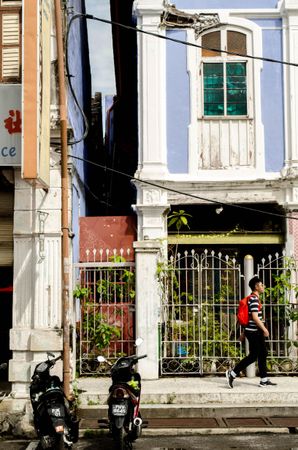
(105, 293)
(199, 330)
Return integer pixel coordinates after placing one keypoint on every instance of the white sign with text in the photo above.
(10, 125)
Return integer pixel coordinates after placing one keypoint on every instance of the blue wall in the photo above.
(272, 95)
(225, 4)
(79, 68)
(178, 101)
(178, 104)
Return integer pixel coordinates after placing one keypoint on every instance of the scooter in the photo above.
(124, 418)
(57, 427)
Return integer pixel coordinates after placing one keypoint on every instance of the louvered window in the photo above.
(10, 44)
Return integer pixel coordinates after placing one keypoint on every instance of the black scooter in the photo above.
(125, 422)
(56, 425)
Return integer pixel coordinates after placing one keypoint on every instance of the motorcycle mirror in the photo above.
(50, 354)
(101, 359)
(139, 341)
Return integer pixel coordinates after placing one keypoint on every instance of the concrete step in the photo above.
(198, 392)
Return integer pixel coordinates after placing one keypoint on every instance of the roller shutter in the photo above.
(6, 228)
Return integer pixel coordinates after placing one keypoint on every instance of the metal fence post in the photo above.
(248, 274)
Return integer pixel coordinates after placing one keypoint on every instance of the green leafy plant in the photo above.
(117, 285)
(179, 219)
(96, 329)
(81, 292)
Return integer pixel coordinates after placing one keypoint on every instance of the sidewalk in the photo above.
(200, 405)
(199, 391)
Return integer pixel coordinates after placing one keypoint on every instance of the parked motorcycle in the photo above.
(124, 418)
(56, 425)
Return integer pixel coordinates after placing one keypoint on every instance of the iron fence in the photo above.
(106, 303)
(200, 296)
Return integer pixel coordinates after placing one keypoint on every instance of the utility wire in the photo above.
(110, 22)
(135, 29)
(179, 41)
(176, 191)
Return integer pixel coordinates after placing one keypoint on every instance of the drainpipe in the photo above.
(65, 266)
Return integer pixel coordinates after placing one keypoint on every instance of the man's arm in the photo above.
(259, 323)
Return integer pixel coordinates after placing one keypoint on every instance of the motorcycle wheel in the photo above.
(59, 443)
(119, 438)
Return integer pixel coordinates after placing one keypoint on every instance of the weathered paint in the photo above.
(110, 232)
(178, 109)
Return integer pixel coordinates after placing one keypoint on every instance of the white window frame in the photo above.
(194, 61)
(225, 58)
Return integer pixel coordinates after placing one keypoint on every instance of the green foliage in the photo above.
(179, 219)
(118, 285)
(279, 293)
(81, 292)
(97, 330)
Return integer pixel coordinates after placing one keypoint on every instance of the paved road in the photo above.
(261, 441)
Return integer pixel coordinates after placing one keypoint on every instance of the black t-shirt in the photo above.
(253, 306)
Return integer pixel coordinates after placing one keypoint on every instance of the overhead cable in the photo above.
(187, 194)
(191, 44)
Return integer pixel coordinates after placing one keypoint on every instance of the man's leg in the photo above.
(253, 352)
(262, 356)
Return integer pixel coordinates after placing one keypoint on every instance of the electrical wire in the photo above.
(190, 44)
(136, 29)
(176, 191)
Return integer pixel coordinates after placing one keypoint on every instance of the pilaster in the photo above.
(147, 306)
(37, 279)
(152, 91)
(152, 208)
(289, 11)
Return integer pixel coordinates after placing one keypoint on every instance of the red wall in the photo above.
(109, 232)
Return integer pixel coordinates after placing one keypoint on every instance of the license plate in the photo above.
(55, 412)
(119, 410)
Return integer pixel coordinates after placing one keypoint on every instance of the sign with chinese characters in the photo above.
(10, 125)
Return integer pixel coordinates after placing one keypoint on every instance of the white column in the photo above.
(248, 274)
(290, 18)
(147, 306)
(151, 91)
(37, 274)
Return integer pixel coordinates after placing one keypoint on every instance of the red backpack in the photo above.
(242, 313)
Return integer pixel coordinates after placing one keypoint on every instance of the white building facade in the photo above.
(217, 124)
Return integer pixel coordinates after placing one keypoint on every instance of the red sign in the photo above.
(13, 123)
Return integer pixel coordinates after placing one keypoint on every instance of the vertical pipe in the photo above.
(248, 274)
(65, 267)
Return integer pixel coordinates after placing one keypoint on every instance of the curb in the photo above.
(187, 431)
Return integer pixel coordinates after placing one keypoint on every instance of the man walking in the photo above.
(255, 332)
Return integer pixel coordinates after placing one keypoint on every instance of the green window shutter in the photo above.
(213, 89)
(236, 87)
